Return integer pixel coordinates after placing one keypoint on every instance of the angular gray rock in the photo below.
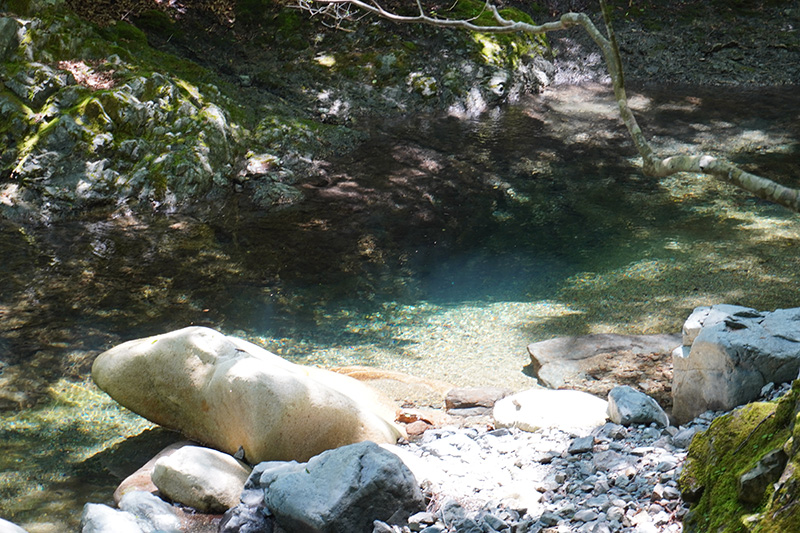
(246, 519)
(708, 316)
(345, 489)
(627, 406)
(683, 438)
(753, 483)
(202, 478)
(9, 40)
(581, 445)
(734, 352)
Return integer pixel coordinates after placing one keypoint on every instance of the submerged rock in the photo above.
(229, 393)
(473, 400)
(557, 360)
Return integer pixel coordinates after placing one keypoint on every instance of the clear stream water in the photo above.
(441, 248)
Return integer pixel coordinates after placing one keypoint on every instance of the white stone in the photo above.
(202, 478)
(151, 512)
(98, 518)
(229, 393)
(567, 410)
(9, 527)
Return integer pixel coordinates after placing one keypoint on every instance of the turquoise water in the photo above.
(441, 248)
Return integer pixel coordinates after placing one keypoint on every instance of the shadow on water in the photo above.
(440, 247)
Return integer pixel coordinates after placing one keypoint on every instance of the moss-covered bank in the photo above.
(734, 450)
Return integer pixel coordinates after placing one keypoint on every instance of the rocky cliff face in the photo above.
(104, 116)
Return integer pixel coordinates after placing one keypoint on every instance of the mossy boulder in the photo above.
(86, 125)
(726, 456)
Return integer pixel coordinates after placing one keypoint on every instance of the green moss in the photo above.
(20, 7)
(124, 31)
(289, 31)
(502, 50)
(733, 445)
(157, 22)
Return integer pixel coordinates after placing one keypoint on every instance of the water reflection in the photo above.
(440, 247)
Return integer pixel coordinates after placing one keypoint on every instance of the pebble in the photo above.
(616, 479)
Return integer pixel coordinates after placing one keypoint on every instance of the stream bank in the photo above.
(440, 246)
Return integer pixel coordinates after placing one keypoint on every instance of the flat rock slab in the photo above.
(598, 363)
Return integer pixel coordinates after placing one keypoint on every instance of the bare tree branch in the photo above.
(652, 165)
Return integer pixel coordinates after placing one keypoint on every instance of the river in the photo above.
(441, 247)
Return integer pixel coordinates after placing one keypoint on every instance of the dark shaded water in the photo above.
(441, 247)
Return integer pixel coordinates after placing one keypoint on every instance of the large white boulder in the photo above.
(569, 410)
(228, 393)
(204, 479)
(729, 354)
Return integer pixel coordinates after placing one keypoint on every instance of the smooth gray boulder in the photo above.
(345, 489)
(204, 479)
(10, 527)
(628, 406)
(99, 518)
(734, 352)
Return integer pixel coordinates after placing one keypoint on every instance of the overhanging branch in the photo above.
(652, 165)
